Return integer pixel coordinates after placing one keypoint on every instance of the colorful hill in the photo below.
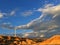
(55, 40)
(8, 40)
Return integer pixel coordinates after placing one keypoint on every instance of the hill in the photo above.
(9, 40)
(55, 40)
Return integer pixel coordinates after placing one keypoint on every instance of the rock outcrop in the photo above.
(8, 40)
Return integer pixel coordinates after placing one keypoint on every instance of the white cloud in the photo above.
(1, 15)
(33, 34)
(12, 12)
(54, 10)
(27, 13)
(42, 35)
(25, 35)
(7, 25)
(48, 5)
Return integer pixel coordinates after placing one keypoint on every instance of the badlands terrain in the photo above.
(9, 40)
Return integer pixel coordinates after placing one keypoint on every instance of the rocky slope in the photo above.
(55, 40)
(8, 40)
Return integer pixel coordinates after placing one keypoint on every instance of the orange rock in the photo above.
(19, 43)
(1, 37)
(55, 40)
(8, 37)
(23, 43)
(17, 39)
(29, 41)
(15, 42)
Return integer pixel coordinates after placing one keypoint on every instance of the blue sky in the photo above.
(21, 12)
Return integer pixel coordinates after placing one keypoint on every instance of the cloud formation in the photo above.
(33, 34)
(47, 17)
(27, 13)
(49, 21)
(7, 25)
(7, 14)
(12, 12)
(54, 10)
(2, 14)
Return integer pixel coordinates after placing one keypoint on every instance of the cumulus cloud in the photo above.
(54, 10)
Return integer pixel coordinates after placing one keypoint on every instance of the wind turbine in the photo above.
(15, 32)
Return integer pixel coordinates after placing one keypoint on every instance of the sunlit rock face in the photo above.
(8, 40)
(1, 37)
(55, 40)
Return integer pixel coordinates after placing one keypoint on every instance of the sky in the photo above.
(29, 16)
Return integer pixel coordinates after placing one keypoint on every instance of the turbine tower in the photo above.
(15, 33)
